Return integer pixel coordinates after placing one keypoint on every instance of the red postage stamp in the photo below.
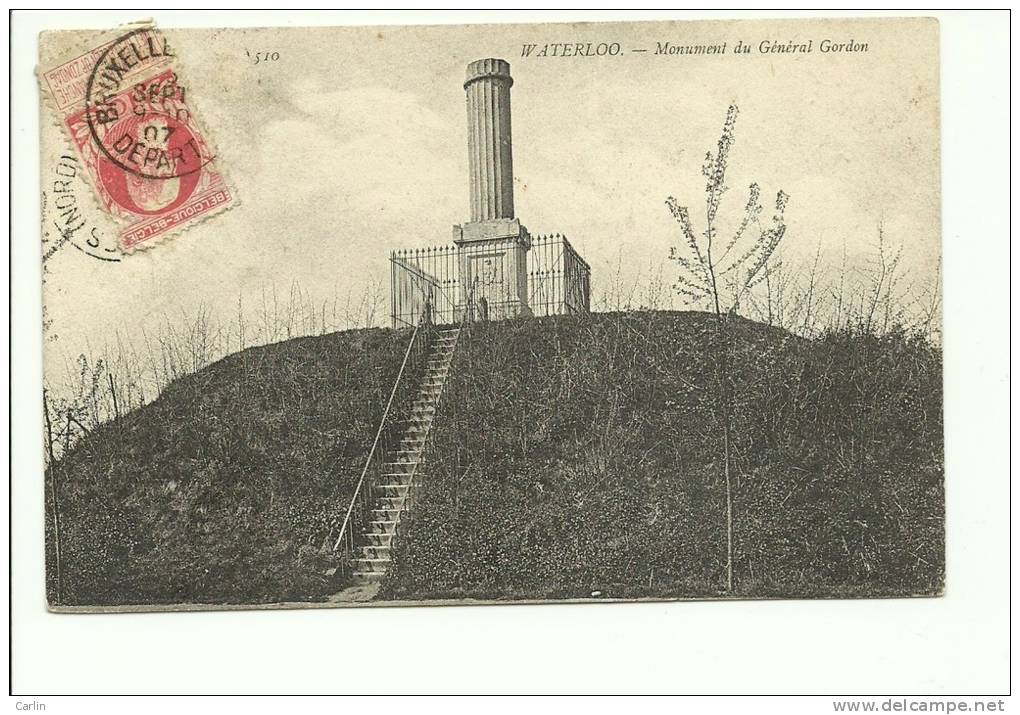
(145, 153)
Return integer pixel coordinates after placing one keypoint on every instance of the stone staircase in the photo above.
(400, 465)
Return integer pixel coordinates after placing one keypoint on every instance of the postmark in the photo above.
(139, 142)
(66, 222)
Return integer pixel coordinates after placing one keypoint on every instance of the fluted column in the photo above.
(491, 162)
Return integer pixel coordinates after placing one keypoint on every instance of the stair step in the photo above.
(386, 514)
(392, 475)
(400, 477)
(368, 576)
(397, 488)
(382, 527)
(373, 552)
(376, 538)
(371, 565)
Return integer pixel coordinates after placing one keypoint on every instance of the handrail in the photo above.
(426, 316)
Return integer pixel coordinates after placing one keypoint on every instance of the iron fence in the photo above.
(506, 278)
(559, 280)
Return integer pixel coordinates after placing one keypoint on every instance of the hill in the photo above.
(223, 488)
(570, 456)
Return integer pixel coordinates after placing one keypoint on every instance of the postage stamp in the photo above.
(126, 111)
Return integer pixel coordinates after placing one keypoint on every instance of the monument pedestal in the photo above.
(493, 267)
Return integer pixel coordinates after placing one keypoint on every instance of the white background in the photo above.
(958, 644)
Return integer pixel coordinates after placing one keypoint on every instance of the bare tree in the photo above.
(52, 464)
(722, 275)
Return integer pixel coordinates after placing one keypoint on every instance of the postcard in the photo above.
(450, 314)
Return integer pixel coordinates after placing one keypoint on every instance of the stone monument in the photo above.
(493, 244)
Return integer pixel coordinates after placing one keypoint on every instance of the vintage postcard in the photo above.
(491, 313)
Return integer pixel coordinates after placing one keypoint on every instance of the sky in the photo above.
(354, 143)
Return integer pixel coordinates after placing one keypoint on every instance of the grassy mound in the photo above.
(574, 456)
(570, 456)
(224, 489)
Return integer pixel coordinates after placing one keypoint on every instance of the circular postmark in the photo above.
(141, 124)
(163, 137)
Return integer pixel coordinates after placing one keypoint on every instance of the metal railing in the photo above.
(401, 396)
(420, 276)
(559, 280)
(545, 277)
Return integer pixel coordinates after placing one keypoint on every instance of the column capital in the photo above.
(490, 67)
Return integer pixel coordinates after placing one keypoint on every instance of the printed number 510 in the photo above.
(257, 57)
